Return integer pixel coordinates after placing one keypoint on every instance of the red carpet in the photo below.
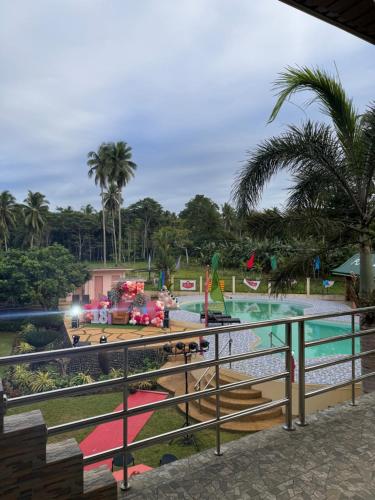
(109, 435)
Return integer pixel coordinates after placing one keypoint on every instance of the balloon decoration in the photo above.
(129, 296)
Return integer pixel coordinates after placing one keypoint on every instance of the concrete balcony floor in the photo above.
(331, 458)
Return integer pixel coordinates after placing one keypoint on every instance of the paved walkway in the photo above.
(332, 458)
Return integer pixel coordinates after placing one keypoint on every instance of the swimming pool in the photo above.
(253, 311)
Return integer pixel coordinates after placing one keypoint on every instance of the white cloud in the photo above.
(187, 84)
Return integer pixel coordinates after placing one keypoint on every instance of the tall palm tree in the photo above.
(123, 170)
(111, 203)
(35, 212)
(323, 158)
(7, 215)
(99, 167)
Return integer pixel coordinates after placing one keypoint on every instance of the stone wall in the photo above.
(95, 364)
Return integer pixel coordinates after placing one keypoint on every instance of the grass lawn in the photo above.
(6, 345)
(62, 410)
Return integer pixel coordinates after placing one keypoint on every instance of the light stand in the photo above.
(187, 351)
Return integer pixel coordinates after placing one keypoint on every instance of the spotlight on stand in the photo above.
(75, 339)
(193, 347)
(180, 346)
(167, 348)
(103, 339)
(204, 345)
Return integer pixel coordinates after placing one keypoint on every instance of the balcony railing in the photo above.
(216, 390)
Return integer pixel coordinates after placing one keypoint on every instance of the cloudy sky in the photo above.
(187, 83)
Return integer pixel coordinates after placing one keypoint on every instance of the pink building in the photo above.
(100, 282)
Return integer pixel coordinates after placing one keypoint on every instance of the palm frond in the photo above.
(328, 91)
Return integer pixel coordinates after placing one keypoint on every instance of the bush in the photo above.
(24, 348)
(42, 381)
(37, 338)
(81, 379)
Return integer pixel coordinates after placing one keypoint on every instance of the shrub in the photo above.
(38, 338)
(81, 379)
(116, 373)
(24, 347)
(20, 377)
(42, 381)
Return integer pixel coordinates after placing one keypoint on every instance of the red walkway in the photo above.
(109, 435)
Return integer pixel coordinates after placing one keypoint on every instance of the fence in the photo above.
(215, 390)
(234, 284)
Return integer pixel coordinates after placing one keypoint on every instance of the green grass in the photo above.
(6, 345)
(169, 419)
(67, 409)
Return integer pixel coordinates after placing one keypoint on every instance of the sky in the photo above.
(187, 84)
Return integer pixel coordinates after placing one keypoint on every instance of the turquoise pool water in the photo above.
(251, 311)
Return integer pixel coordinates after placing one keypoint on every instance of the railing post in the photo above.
(230, 342)
(218, 451)
(301, 374)
(288, 380)
(200, 284)
(233, 284)
(125, 483)
(353, 403)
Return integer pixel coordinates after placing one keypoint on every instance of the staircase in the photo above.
(30, 468)
(230, 401)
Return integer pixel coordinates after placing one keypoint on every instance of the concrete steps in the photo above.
(231, 401)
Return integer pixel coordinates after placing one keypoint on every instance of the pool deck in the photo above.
(270, 364)
(332, 458)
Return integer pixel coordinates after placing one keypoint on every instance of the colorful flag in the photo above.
(273, 260)
(216, 292)
(253, 284)
(317, 263)
(178, 263)
(328, 283)
(250, 262)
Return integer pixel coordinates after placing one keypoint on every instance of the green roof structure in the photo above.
(351, 266)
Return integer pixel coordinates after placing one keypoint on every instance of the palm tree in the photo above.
(111, 202)
(122, 171)
(35, 213)
(322, 159)
(98, 163)
(7, 215)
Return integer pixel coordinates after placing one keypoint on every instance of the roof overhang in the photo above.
(355, 16)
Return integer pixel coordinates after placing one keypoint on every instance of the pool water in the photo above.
(253, 311)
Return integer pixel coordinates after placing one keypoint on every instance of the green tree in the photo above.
(122, 171)
(337, 157)
(99, 168)
(150, 212)
(35, 212)
(39, 276)
(201, 217)
(7, 216)
(164, 241)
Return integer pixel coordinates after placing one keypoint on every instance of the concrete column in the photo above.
(233, 284)
(200, 284)
(307, 286)
(269, 288)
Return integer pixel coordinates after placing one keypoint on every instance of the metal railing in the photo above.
(124, 381)
(272, 335)
(197, 385)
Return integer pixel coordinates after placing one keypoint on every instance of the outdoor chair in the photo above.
(167, 459)
(118, 460)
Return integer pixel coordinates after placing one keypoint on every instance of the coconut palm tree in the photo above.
(122, 171)
(99, 167)
(111, 202)
(7, 215)
(35, 212)
(323, 158)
